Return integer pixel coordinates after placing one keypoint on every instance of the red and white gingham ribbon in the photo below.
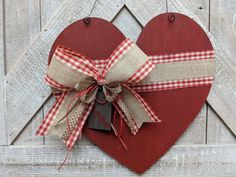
(99, 69)
(173, 84)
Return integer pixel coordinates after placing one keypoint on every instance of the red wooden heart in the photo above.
(176, 108)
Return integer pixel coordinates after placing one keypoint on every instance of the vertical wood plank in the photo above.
(223, 25)
(22, 23)
(200, 8)
(217, 132)
(196, 132)
(223, 28)
(22, 26)
(3, 128)
(49, 9)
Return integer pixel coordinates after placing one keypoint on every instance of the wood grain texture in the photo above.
(222, 27)
(27, 135)
(22, 24)
(3, 127)
(49, 8)
(217, 131)
(127, 23)
(199, 8)
(193, 160)
(196, 132)
(144, 11)
(26, 78)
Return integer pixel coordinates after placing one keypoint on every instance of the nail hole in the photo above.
(87, 21)
(171, 18)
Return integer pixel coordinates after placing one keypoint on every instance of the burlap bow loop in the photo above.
(78, 79)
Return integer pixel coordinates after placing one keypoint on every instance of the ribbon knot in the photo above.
(101, 81)
(87, 90)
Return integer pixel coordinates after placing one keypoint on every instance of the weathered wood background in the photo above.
(28, 29)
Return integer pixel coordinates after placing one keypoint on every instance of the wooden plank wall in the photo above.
(222, 25)
(201, 151)
(3, 132)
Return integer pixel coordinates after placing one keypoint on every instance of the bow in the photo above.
(76, 79)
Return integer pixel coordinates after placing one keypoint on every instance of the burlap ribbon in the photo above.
(75, 79)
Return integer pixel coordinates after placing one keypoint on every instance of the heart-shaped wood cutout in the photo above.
(176, 108)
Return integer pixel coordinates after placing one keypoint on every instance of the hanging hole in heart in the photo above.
(171, 18)
(87, 20)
